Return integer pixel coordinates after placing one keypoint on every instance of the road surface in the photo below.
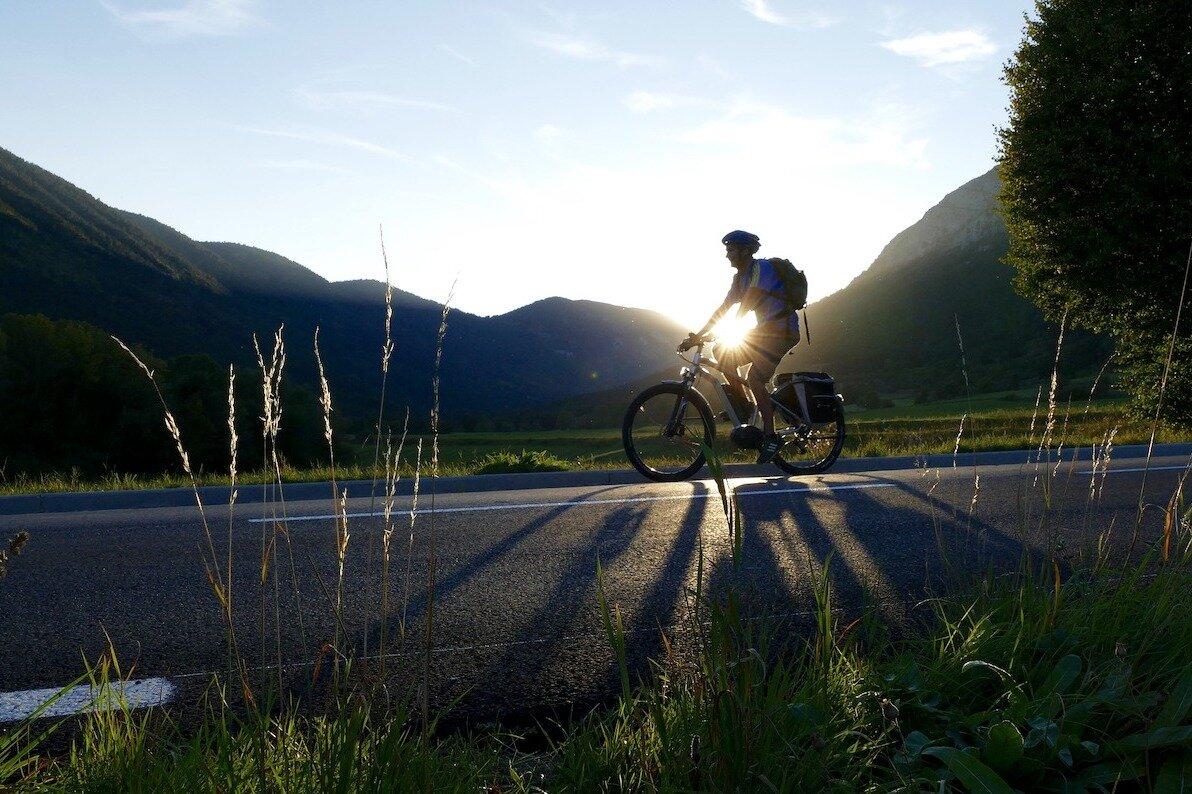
(516, 624)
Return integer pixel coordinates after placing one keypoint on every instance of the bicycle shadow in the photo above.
(457, 577)
(883, 547)
(562, 650)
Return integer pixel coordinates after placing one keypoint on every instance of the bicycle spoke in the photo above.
(663, 451)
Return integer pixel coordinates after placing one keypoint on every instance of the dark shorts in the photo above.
(763, 347)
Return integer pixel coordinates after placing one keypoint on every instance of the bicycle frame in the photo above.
(719, 376)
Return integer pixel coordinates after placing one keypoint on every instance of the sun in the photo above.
(731, 329)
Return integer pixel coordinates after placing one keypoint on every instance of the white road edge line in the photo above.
(135, 694)
(1135, 469)
(581, 502)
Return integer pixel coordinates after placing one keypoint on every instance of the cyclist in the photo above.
(757, 287)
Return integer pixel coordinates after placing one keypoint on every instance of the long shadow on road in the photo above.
(887, 546)
(561, 653)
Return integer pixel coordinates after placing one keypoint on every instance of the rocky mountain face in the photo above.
(938, 285)
(966, 217)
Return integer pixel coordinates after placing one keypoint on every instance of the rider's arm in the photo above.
(716, 315)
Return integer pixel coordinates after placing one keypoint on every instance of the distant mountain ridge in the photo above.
(897, 328)
(899, 325)
(67, 255)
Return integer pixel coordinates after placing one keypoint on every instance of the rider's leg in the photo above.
(736, 386)
(739, 389)
(761, 394)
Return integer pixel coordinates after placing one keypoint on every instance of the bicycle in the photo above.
(667, 425)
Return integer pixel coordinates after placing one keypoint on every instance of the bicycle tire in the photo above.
(696, 400)
(825, 463)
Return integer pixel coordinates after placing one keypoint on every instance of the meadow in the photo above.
(1000, 421)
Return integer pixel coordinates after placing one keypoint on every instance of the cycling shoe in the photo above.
(769, 448)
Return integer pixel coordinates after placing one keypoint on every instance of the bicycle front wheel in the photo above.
(664, 432)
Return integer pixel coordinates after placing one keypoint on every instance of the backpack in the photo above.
(794, 283)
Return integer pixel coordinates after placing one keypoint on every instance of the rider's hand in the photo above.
(691, 341)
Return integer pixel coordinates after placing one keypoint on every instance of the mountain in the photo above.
(67, 255)
(894, 328)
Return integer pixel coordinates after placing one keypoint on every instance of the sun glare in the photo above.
(731, 329)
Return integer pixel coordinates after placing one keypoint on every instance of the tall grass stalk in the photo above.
(392, 475)
(432, 534)
(211, 560)
(340, 503)
(386, 355)
(405, 600)
(220, 586)
(1179, 309)
(272, 408)
(1049, 424)
(325, 405)
(236, 665)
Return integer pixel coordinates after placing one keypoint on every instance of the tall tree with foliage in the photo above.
(1096, 165)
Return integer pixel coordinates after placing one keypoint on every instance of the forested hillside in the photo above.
(895, 327)
(66, 255)
(194, 306)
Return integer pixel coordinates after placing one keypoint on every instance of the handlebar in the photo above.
(694, 341)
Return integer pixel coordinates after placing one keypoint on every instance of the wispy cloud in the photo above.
(548, 133)
(713, 67)
(194, 18)
(802, 19)
(648, 101)
(330, 139)
(447, 48)
(358, 100)
(886, 134)
(301, 165)
(946, 48)
(589, 50)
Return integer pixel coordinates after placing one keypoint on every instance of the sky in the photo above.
(594, 150)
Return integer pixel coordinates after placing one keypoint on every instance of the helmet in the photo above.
(739, 237)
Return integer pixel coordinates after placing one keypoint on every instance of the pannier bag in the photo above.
(810, 396)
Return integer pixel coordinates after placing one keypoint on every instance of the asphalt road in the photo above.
(516, 625)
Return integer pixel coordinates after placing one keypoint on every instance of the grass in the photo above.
(1030, 681)
(508, 463)
(1023, 682)
(907, 430)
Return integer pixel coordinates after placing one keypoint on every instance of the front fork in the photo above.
(676, 417)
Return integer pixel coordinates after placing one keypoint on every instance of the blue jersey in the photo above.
(760, 288)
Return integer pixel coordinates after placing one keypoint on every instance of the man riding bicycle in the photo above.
(758, 286)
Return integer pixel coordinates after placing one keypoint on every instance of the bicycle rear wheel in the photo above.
(812, 449)
(664, 430)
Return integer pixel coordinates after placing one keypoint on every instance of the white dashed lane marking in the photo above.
(135, 694)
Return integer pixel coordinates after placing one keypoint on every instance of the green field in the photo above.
(996, 422)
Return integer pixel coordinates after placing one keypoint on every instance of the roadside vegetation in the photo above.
(1071, 673)
(1029, 681)
(933, 429)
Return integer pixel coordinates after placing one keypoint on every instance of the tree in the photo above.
(1096, 165)
(70, 398)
